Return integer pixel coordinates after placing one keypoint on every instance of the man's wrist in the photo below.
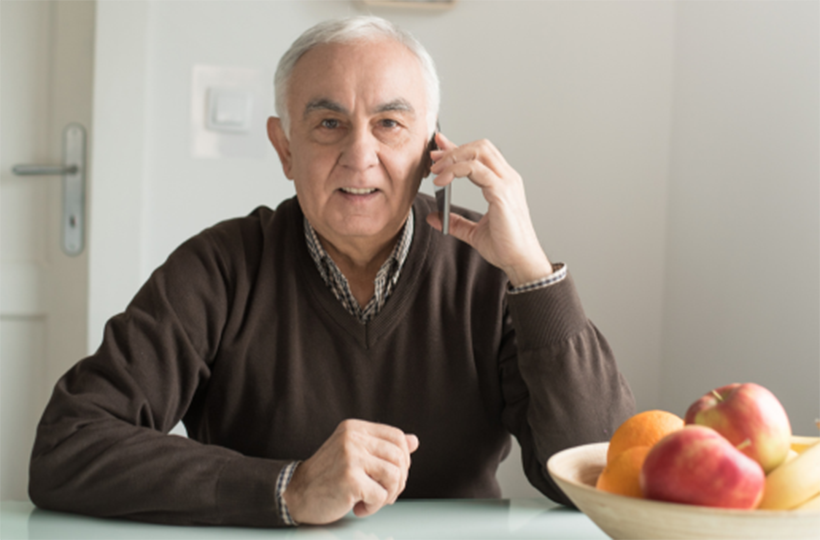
(559, 274)
(282, 482)
(530, 272)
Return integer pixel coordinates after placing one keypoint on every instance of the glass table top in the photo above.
(409, 519)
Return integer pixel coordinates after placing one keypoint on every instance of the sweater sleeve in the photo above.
(561, 385)
(102, 446)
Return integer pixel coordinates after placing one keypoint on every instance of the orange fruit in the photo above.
(643, 429)
(622, 475)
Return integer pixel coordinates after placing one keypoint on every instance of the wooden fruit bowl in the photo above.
(576, 470)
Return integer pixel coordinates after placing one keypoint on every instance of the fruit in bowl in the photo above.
(795, 483)
(628, 448)
(743, 412)
(622, 474)
(684, 462)
(576, 470)
(643, 429)
(696, 465)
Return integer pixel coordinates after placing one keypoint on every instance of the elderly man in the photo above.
(312, 350)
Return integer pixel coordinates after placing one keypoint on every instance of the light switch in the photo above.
(229, 110)
(230, 106)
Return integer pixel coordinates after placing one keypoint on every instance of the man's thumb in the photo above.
(462, 228)
(412, 442)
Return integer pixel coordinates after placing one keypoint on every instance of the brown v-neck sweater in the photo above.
(237, 335)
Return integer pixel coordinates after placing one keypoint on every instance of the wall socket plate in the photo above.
(245, 100)
(229, 110)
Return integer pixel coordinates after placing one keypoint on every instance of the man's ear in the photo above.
(280, 141)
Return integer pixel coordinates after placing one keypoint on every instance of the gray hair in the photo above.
(351, 29)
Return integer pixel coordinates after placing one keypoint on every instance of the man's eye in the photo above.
(389, 123)
(330, 123)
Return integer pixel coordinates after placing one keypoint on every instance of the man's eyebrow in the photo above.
(323, 104)
(399, 104)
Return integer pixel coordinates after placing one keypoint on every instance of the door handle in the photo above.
(73, 172)
(44, 170)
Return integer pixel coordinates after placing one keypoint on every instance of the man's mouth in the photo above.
(359, 191)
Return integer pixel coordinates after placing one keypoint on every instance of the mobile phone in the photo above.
(443, 195)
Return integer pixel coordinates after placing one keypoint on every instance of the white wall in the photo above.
(742, 295)
(577, 94)
(118, 176)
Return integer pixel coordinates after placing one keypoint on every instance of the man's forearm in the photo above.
(86, 460)
(574, 391)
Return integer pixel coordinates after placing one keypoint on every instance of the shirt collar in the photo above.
(386, 278)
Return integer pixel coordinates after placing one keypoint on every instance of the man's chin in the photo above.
(359, 229)
(361, 232)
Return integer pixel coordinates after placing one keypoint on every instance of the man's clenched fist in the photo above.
(362, 466)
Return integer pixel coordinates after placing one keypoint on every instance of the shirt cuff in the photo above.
(559, 272)
(281, 485)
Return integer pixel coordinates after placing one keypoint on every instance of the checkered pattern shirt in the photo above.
(386, 280)
(281, 483)
(559, 272)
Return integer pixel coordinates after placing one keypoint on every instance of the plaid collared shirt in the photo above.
(386, 278)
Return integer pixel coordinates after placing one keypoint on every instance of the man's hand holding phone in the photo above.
(504, 236)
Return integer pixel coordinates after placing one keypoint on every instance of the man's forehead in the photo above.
(384, 74)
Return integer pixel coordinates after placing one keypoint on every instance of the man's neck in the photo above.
(357, 261)
(360, 261)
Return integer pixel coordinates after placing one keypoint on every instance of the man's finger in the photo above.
(387, 475)
(443, 142)
(482, 151)
(412, 442)
(386, 450)
(389, 465)
(444, 146)
(478, 173)
(387, 433)
(444, 158)
(462, 228)
(386, 457)
(389, 452)
(372, 497)
(434, 220)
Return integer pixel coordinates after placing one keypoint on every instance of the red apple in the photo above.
(746, 411)
(696, 465)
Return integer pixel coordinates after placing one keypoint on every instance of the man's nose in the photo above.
(361, 150)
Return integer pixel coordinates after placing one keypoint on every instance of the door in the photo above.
(46, 75)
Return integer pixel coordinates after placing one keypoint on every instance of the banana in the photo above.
(800, 443)
(811, 504)
(794, 482)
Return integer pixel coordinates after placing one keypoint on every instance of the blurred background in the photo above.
(670, 152)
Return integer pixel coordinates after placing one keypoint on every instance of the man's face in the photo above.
(358, 135)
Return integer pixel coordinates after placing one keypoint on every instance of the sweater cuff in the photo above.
(246, 491)
(546, 315)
